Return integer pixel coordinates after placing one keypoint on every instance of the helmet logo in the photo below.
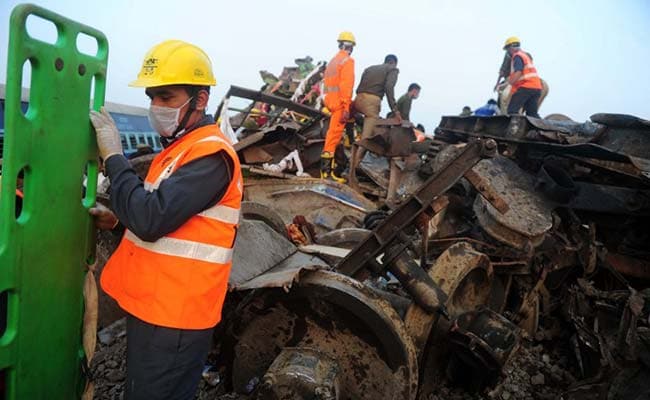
(174, 62)
(150, 65)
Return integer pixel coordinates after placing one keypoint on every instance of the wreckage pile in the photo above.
(506, 257)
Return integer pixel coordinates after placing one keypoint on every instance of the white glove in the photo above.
(108, 137)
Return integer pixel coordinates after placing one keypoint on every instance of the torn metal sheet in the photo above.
(335, 194)
(248, 141)
(320, 249)
(250, 261)
(326, 204)
(622, 145)
(376, 168)
(514, 127)
(626, 134)
(256, 155)
(284, 276)
(345, 238)
(390, 140)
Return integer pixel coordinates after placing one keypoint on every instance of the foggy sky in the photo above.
(594, 54)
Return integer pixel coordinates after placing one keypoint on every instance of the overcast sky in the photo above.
(595, 55)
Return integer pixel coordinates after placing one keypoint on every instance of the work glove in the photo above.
(104, 218)
(108, 137)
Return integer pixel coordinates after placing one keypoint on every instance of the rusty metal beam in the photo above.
(256, 95)
(420, 201)
(487, 191)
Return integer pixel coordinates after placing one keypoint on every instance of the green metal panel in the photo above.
(43, 252)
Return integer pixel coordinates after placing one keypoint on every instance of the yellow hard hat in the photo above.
(511, 40)
(174, 62)
(347, 37)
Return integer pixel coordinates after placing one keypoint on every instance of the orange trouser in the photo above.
(335, 131)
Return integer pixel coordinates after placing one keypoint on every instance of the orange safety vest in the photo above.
(180, 280)
(338, 81)
(529, 78)
(419, 135)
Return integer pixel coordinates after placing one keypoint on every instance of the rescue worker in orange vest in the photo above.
(170, 271)
(526, 84)
(338, 86)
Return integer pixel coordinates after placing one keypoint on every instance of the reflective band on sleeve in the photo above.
(221, 213)
(330, 89)
(184, 248)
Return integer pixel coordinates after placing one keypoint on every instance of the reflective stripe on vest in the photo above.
(528, 76)
(332, 72)
(333, 67)
(183, 248)
(222, 213)
(330, 89)
(150, 187)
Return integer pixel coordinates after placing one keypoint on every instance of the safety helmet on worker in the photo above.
(347, 36)
(174, 62)
(512, 40)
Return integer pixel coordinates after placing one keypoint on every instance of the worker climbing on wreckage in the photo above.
(170, 271)
(526, 84)
(404, 102)
(339, 84)
(376, 81)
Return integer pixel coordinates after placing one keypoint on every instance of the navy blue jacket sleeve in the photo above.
(518, 64)
(192, 188)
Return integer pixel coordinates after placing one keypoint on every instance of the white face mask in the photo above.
(164, 120)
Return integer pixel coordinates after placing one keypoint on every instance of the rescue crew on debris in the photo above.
(376, 81)
(404, 102)
(338, 86)
(170, 271)
(489, 109)
(526, 84)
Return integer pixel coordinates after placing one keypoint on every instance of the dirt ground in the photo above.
(538, 371)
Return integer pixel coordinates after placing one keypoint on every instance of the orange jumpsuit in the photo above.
(339, 83)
